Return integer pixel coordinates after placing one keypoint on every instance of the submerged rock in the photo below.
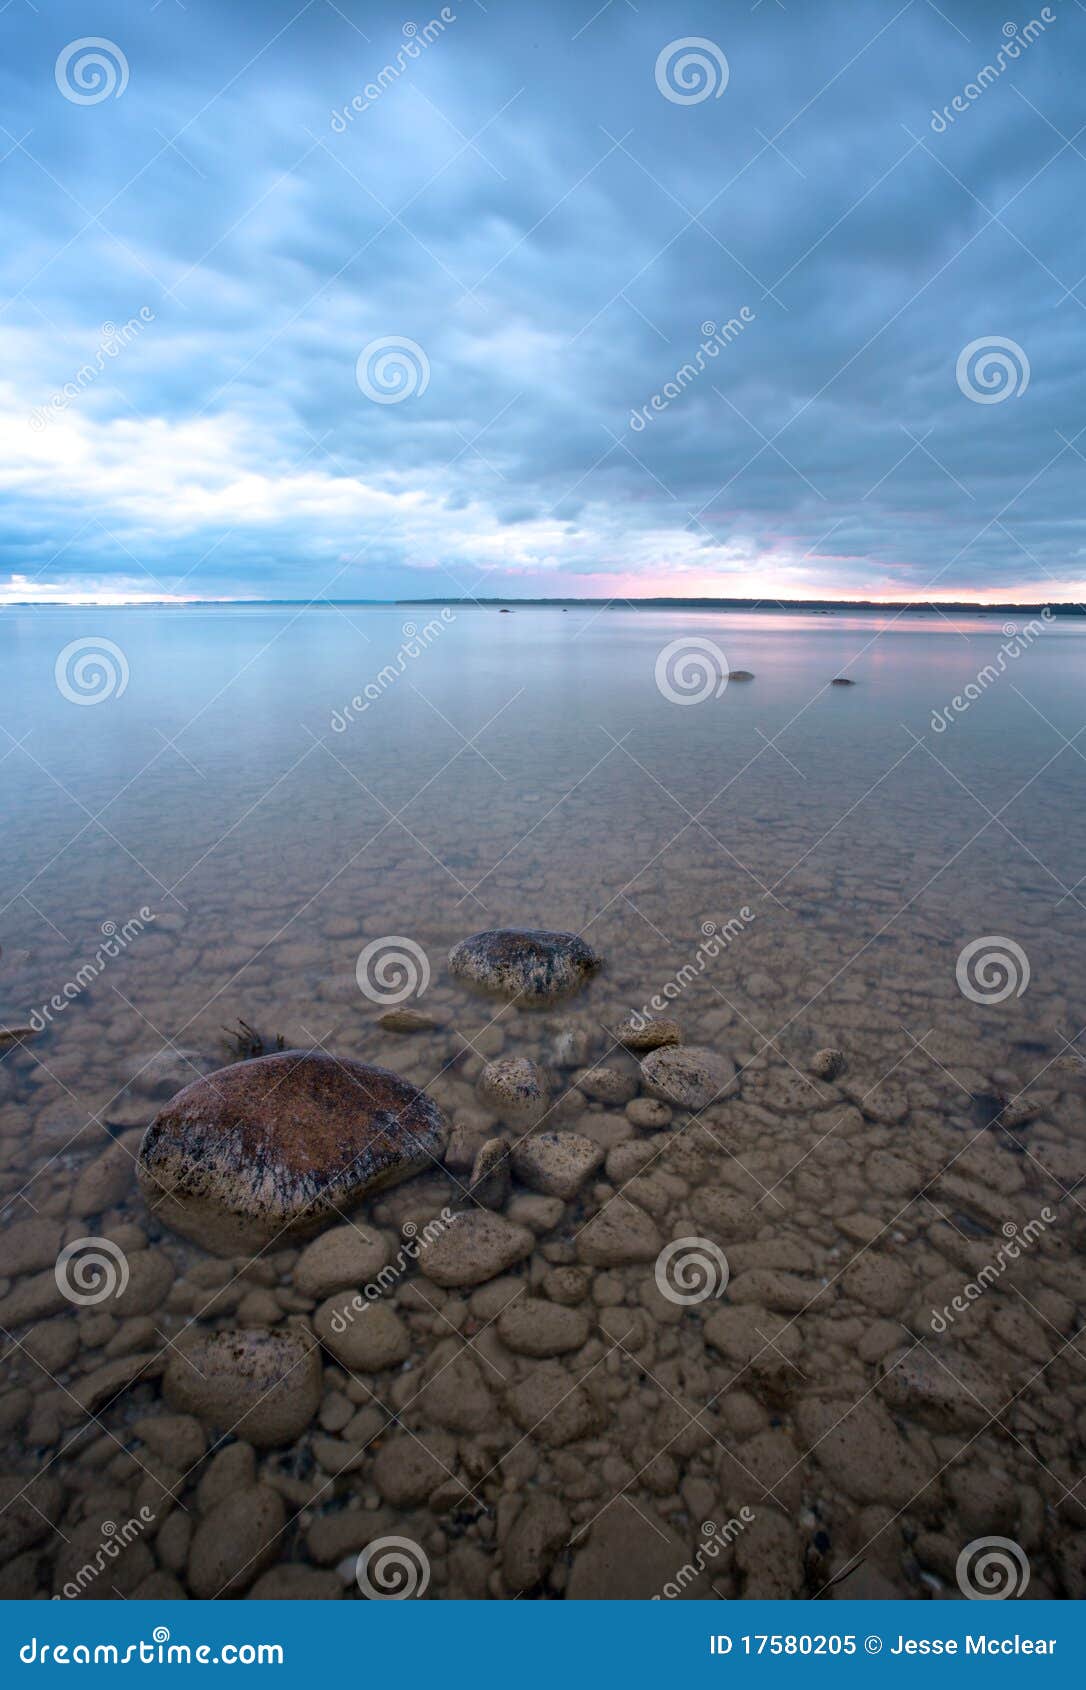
(263, 1386)
(474, 1247)
(515, 1089)
(640, 1033)
(490, 1183)
(405, 1021)
(688, 1075)
(280, 1146)
(556, 1164)
(235, 1542)
(827, 1064)
(531, 964)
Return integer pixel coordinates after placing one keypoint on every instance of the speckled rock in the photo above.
(948, 1392)
(489, 1182)
(474, 1247)
(280, 1146)
(688, 1075)
(515, 1089)
(263, 1386)
(619, 1234)
(640, 1033)
(648, 1113)
(529, 964)
(556, 1164)
(827, 1064)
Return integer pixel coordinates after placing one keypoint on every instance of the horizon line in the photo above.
(652, 601)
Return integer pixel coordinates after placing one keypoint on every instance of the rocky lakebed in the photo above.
(557, 1299)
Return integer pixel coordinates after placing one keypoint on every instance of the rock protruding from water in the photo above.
(529, 964)
(279, 1147)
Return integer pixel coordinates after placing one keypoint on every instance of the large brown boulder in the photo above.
(276, 1148)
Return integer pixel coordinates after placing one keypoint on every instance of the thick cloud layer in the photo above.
(654, 344)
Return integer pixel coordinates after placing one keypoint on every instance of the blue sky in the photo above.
(195, 263)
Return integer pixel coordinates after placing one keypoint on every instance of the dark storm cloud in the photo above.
(519, 199)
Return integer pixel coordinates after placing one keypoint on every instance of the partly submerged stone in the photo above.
(688, 1075)
(532, 965)
(278, 1147)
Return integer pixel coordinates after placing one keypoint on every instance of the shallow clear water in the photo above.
(528, 769)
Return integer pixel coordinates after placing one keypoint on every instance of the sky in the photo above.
(331, 300)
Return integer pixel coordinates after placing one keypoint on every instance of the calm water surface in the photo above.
(839, 850)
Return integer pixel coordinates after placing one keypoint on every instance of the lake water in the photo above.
(246, 796)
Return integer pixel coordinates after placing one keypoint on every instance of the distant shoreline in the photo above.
(849, 607)
(770, 606)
